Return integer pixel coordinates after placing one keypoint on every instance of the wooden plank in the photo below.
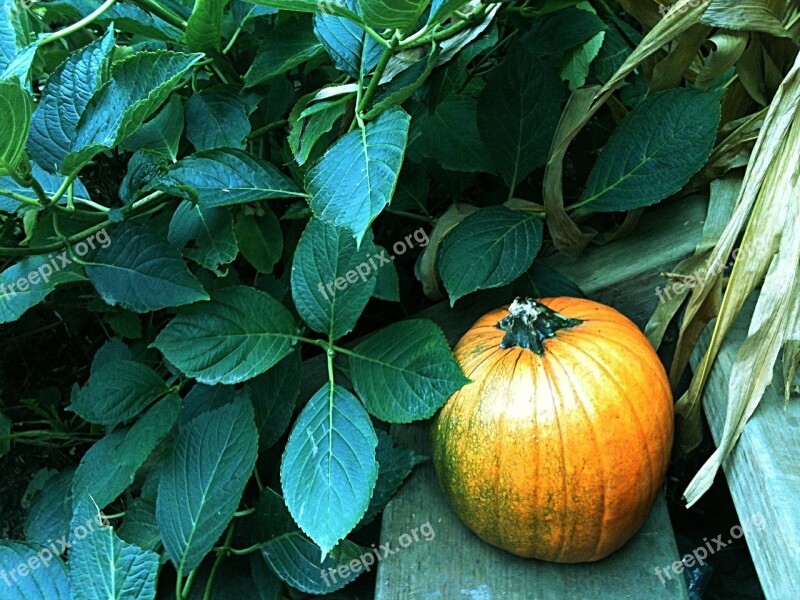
(763, 471)
(456, 564)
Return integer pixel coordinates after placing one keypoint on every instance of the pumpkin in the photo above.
(559, 445)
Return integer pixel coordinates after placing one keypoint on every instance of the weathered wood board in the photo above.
(763, 470)
(456, 564)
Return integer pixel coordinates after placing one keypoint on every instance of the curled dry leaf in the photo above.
(429, 275)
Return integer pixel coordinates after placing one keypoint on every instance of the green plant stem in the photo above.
(218, 562)
(438, 35)
(78, 25)
(19, 197)
(380, 69)
(410, 215)
(161, 12)
(136, 209)
(244, 513)
(241, 551)
(267, 128)
(63, 189)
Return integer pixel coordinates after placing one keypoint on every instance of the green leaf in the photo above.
(117, 392)
(541, 281)
(328, 7)
(394, 465)
(204, 27)
(99, 475)
(332, 279)
(103, 567)
(16, 108)
(655, 150)
(387, 284)
(227, 176)
(142, 272)
(392, 14)
(450, 136)
(307, 129)
(215, 119)
(153, 427)
(285, 47)
(50, 184)
(442, 9)
(11, 38)
(139, 525)
(162, 133)
(352, 50)
(260, 239)
(328, 469)
(561, 30)
(488, 249)
(518, 112)
(744, 15)
(50, 512)
(205, 235)
(296, 560)
(138, 85)
(238, 335)
(202, 481)
(405, 372)
(202, 398)
(64, 99)
(49, 583)
(578, 61)
(24, 285)
(355, 180)
(273, 396)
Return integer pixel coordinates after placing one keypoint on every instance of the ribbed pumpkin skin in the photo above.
(560, 456)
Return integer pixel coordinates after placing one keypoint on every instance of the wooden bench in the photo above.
(763, 470)
(456, 564)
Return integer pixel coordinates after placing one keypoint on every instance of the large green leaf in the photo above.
(296, 560)
(518, 111)
(309, 124)
(161, 134)
(202, 481)
(405, 372)
(239, 334)
(273, 395)
(216, 119)
(205, 235)
(349, 46)
(138, 85)
(394, 465)
(101, 477)
(392, 14)
(204, 27)
(442, 9)
(489, 248)
(117, 392)
(16, 299)
(328, 7)
(655, 150)
(50, 511)
(328, 470)
(151, 428)
(51, 583)
(140, 271)
(260, 239)
(102, 566)
(450, 136)
(227, 176)
(355, 180)
(288, 45)
(332, 278)
(16, 108)
(11, 38)
(64, 99)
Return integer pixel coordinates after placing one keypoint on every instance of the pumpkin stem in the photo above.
(531, 323)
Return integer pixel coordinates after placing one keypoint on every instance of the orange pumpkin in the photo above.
(559, 446)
